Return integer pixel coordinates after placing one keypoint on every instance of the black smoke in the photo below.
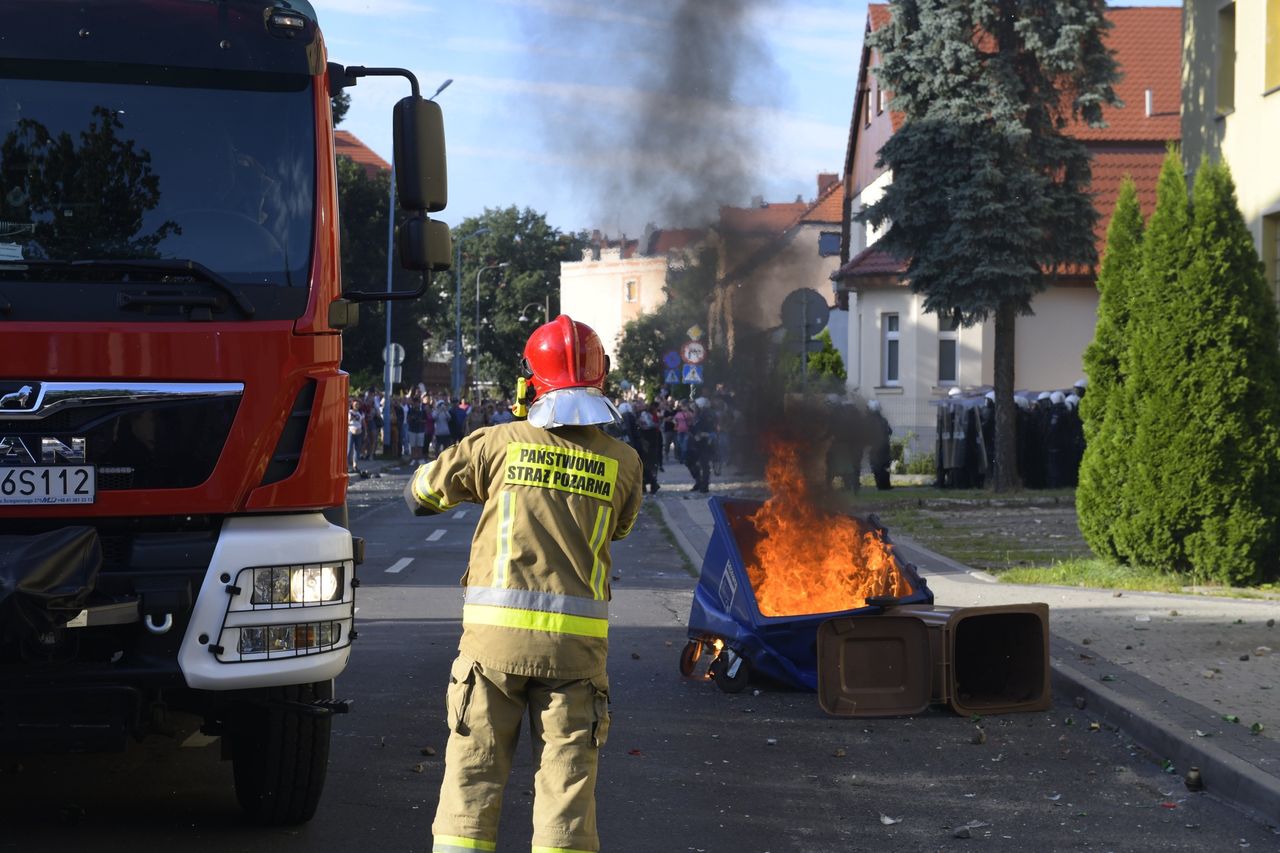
(682, 136)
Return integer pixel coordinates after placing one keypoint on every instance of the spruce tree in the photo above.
(1142, 532)
(1108, 427)
(989, 193)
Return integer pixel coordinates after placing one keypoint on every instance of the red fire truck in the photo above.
(172, 410)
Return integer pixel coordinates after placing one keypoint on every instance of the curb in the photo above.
(677, 533)
(1227, 777)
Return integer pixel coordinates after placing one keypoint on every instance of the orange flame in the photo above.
(811, 561)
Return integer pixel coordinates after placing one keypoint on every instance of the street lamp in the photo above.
(459, 359)
(546, 310)
(475, 357)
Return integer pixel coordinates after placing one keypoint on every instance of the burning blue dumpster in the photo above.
(728, 622)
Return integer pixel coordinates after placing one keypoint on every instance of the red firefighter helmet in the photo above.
(565, 354)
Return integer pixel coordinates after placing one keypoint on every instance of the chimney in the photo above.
(825, 180)
(646, 242)
(1148, 103)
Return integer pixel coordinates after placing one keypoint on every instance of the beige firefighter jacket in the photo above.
(537, 585)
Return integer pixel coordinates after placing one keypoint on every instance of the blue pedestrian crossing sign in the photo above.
(672, 377)
(691, 374)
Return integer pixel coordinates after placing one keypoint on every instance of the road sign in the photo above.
(671, 377)
(805, 312)
(693, 352)
(671, 359)
(694, 332)
(692, 374)
(393, 353)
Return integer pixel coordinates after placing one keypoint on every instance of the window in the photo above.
(1273, 45)
(631, 290)
(866, 102)
(880, 99)
(1226, 84)
(889, 351)
(948, 351)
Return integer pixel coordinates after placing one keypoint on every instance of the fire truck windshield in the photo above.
(132, 162)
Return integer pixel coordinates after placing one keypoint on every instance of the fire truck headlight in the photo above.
(305, 638)
(296, 585)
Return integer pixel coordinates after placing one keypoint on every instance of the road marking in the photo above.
(435, 535)
(462, 513)
(400, 565)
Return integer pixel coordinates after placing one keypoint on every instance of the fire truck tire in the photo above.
(736, 683)
(279, 755)
(689, 656)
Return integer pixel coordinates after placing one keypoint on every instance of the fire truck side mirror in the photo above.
(418, 132)
(425, 244)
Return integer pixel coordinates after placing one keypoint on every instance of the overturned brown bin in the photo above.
(978, 660)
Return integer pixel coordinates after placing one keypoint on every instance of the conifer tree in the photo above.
(988, 193)
(1236, 379)
(1141, 532)
(1220, 493)
(1108, 426)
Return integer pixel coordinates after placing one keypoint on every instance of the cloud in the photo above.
(373, 7)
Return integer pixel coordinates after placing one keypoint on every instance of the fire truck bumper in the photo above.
(276, 606)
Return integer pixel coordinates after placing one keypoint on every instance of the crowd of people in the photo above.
(422, 423)
(697, 433)
(704, 434)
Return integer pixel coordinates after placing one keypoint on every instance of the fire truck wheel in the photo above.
(727, 683)
(689, 656)
(279, 754)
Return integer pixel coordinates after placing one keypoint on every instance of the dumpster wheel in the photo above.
(689, 657)
(727, 663)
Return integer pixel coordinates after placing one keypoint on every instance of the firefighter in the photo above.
(555, 491)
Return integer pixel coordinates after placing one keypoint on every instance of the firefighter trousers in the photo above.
(568, 723)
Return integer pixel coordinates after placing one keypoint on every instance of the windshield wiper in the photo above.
(171, 265)
(176, 266)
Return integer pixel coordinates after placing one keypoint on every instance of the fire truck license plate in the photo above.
(47, 484)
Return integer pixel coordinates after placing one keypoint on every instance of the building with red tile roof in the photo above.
(902, 356)
(346, 144)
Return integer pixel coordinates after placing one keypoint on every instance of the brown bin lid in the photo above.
(874, 666)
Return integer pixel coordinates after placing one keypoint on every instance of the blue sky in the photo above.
(574, 107)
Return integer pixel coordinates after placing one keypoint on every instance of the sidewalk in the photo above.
(1169, 672)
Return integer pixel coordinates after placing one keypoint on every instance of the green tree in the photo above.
(1150, 365)
(1209, 423)
(1108, 424)
(989, 193)
(532, 249)
(642, 343)
(826, 367)
(338, 106)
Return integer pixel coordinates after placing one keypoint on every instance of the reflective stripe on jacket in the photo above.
(538, 577)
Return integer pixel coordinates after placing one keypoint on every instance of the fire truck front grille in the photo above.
(171, 443)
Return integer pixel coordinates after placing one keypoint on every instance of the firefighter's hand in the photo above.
(410, 499)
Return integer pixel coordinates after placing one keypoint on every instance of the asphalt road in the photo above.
(687, 768)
